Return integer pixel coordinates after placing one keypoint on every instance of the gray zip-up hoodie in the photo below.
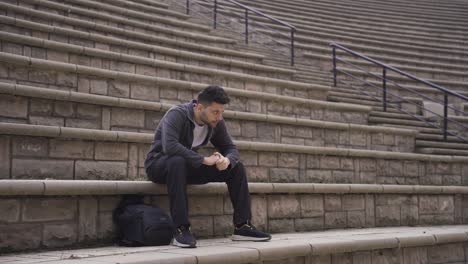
(174, 136)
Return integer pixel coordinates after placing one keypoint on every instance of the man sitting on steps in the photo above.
(173, 160)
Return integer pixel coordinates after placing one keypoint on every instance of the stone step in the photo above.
(444, 243)
(453, 7)
(79, 110)
(322, 24)
(144, 88)
(155, 29)
(118, 33)
(379, 50)
(395, 115)
(427, 56)
(417, 70)
(438, 137)
(140, 10)
(90, 154)
(427, 64)
(404, 81)
(123, 73)
(380, 11)
(187, 63)
(276, 208)
(416, 123)
(443, 145)
(443, 151)
(151, 3)
(135, 11)
(322, 39)
(312, 76)
(401, 56)
(411, 10)
(403, 90)
(311, 80)
(437, 73)
(342, 34)
(350, 90)
(389, 110)
(163, 48)
(358, 101)
(284, 10)
(364, 97)
(424, 130)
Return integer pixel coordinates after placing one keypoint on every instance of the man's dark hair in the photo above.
(213, 94)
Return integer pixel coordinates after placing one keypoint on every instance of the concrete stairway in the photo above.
(305, 207)
(424, 52)
(83, 84)
(418, 45)
(430, 138)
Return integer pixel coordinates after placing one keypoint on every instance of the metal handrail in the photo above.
(335, 45)
(262, 14)
(384, 79)
(246, 18)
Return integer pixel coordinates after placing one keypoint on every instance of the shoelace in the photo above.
(181, 230)
(250, 226)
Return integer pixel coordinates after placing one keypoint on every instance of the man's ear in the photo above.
(200, 107)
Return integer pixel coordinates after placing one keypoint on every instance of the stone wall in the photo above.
(174, 92)
(63, 221)
(447, 253)
(36, 111)
(146, 66)
(130, 47)
(25, 157)
(293, 167)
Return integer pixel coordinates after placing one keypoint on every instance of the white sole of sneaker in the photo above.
(246, 238)
(177, 244)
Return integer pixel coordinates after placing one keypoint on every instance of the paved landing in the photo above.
(223, 250)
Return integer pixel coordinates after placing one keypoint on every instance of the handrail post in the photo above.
(188, 7)
(292, 46)
(384, 84)
(334, 67)
(246, 26)
(445, 115)
(215, 12)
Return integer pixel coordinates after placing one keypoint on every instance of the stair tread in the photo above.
(436, 137)
(218, 249)
(420, 129)
(393, 115)
(442, 151)
(353, 101)
(373, 119)
(437, 144)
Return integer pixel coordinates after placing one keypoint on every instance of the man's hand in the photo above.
(211, 160)
(222, 162)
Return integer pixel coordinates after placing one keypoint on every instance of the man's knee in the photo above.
(239, 170)
(176, 162)
(167, 168)
(240, 166)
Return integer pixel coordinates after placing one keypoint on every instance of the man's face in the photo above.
(211, 114)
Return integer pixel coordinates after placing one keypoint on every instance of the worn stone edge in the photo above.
(28, 40)
(44, 93)
(88, 13)
(134, 137)
(80, 69)
(127, 33)
(49, 187)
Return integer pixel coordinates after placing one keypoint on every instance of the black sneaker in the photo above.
(248, 232)
(184, 238)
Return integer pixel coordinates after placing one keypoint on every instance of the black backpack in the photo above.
(139, 224)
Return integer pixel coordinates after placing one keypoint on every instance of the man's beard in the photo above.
(205, 120)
